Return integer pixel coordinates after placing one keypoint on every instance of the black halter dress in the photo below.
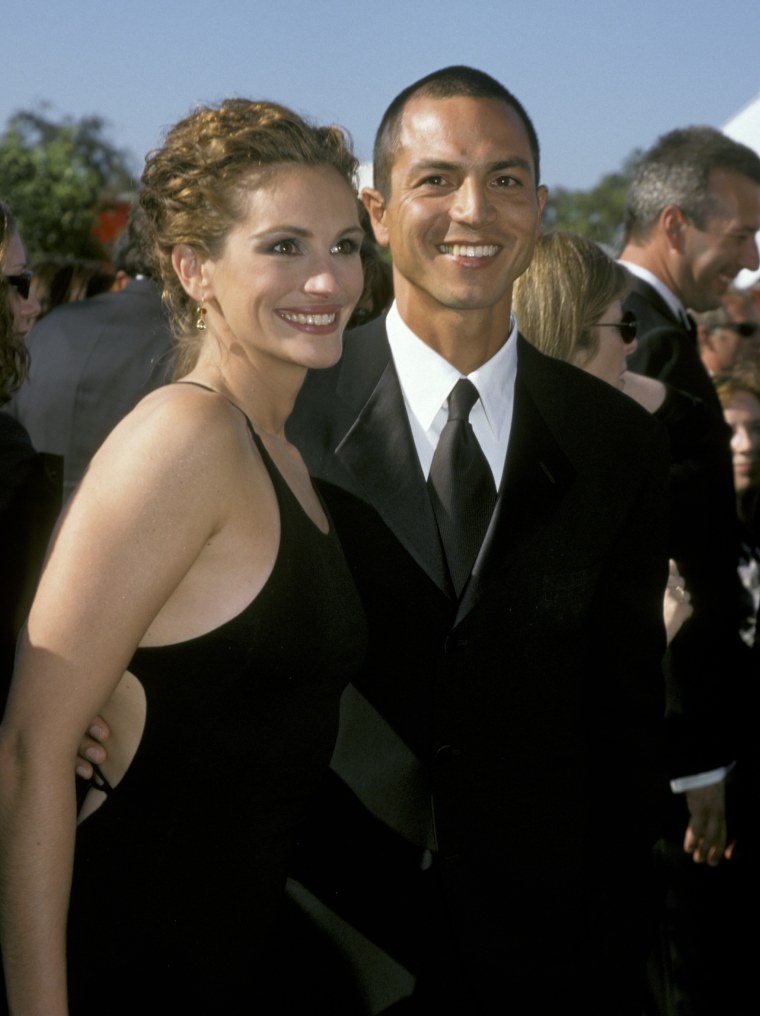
(179, 875)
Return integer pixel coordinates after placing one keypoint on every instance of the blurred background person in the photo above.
(58, 280)
(739, 394)
(30, 484)
(24, 306)
(724, 341)
(377, 294)
(15, 447)
(742, 304)
(94, 359)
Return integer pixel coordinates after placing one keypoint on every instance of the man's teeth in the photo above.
(310, 319)
(461, 250)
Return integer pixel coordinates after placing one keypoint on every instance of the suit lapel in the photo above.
(650, 294)
(378, 451)
(379, 454)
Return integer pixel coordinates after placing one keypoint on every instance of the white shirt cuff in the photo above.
(684, 783)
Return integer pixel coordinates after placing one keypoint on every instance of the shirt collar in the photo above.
(670, 298)
(426, 378)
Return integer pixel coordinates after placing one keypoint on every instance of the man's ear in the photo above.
(542, 194)
(374, 202)
(191, 271)
(673, 225)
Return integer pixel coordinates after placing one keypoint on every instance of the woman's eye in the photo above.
(286, 247)
(345, 247)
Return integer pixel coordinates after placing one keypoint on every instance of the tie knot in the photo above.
(463, 397)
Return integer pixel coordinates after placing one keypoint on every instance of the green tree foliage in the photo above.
(55, 175)
(597, 213)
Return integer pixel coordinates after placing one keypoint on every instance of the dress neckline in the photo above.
(269, 461)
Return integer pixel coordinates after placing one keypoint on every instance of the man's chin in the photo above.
(706, 300)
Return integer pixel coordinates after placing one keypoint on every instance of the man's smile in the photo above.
(469, 250)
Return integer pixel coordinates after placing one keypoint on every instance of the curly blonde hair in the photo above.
(14, 356)
(194, 187)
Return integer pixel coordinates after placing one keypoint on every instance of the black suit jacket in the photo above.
(665, 349)
(91, 363)
(705, 665)
(511, 732)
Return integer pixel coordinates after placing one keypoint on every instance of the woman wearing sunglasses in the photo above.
(569, 304)
(20, 467)
(24, 307)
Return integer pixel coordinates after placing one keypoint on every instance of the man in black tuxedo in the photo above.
(692, 213)
(491, 804)
(93, 360)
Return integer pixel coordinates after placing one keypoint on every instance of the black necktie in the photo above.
(461, 486)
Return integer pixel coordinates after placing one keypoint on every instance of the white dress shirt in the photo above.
(426, 380)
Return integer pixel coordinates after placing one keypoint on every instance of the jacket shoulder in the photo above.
(565, 390)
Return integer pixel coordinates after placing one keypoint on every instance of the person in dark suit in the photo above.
(93, 360)
(692, 213)
(492, 801)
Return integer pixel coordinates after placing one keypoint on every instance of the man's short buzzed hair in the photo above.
(448, 83)
(676, 171)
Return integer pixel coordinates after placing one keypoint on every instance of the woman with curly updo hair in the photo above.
(195, 599)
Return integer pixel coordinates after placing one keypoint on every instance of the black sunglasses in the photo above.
(744, 328)
(21, 283)
(627, 326)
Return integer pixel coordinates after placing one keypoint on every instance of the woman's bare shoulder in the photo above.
(647, 391)
(181, 452)
(181, 428)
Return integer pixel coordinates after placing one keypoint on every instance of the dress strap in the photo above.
(208, 388)
(274, 472)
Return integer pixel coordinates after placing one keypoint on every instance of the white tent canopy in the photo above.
(745, 127)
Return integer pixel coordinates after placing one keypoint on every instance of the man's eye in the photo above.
(433, 181)
(506, 181)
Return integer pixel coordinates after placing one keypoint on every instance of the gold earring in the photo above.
(200, 317)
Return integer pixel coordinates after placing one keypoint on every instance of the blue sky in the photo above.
(599, 79)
